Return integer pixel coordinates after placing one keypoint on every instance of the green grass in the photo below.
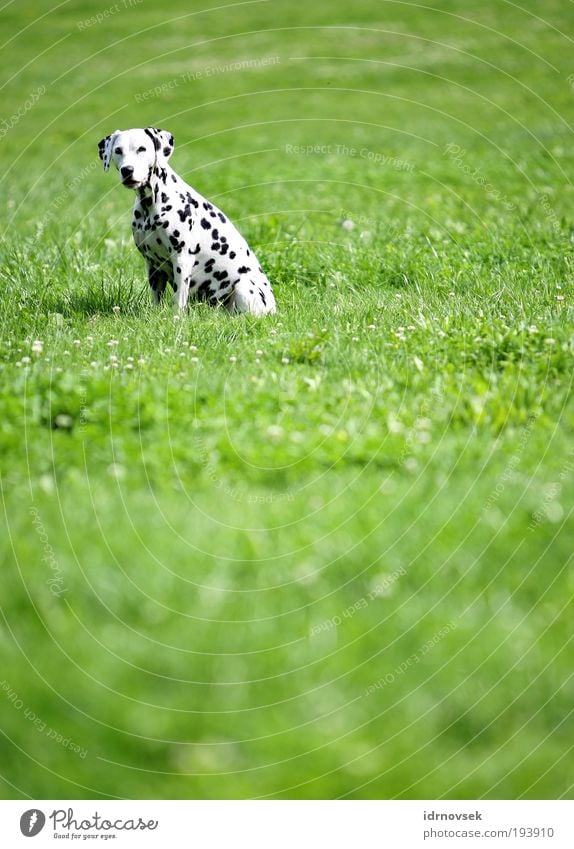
(222, 532)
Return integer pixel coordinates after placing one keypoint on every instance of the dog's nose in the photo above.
(126, 171)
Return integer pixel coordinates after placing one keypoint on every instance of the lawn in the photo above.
(327, 553)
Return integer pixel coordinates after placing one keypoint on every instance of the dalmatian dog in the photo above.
(186, 240)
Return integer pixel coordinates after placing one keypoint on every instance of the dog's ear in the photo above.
(105, 148)
(162, 141)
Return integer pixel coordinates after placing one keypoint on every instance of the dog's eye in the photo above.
(141, 150)
(118, 150)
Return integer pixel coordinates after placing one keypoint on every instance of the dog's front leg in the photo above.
(181, 282)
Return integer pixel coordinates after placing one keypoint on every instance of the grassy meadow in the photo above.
(328, 553)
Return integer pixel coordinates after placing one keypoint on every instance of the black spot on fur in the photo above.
(205, 224)
(203, 289)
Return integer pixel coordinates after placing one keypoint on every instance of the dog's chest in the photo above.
(153, 233)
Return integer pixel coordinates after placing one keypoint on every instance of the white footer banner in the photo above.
(288, 824)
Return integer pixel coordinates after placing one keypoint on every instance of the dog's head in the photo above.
(136, 153)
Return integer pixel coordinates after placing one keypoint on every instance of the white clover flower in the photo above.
(37, 346)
